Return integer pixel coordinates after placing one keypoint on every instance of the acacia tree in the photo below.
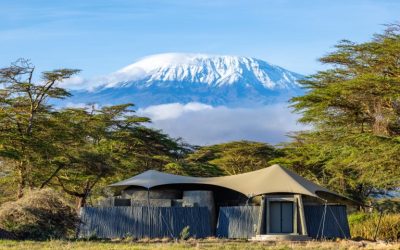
(100, 145)
(73, 149)
(24, 116)
(234, 157)
(354, 108)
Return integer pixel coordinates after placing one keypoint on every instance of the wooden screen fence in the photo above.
(238, 221)
(140, 222)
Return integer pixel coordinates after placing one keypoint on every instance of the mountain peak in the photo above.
(213, 70)
(184, 78)
(173, 59)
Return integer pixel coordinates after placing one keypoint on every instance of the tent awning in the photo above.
(274, 179)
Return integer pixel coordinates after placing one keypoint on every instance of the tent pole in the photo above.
(261, 216)
(322, 221)
(148, 197)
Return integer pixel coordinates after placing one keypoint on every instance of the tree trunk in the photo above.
(381, 123)
(81, 199)
(21, 180)
(80, 202)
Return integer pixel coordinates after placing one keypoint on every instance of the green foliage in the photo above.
(192, 169)
(224, 159)
(363, 225)
(25, 118)
(39, 214)
(102, 145)
(185, 233)
(354, 110)
(77, 150)
(92, 147)
(356, 165)
(358, 218)
(387, 205)
(235, 157)
(7, 182)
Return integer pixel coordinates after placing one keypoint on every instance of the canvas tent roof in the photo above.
(273, 179)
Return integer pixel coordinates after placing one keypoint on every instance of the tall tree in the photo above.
(77, 150)
(354, 108)
(24, 116)
(100, 145)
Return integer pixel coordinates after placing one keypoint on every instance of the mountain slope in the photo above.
(211, 79)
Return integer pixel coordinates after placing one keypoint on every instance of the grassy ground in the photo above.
(195, 244)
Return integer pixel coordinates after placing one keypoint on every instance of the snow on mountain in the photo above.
(183, 78)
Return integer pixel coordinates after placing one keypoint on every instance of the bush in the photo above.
(363, 225)
(40, 214)
(388, 205)
(185, 233)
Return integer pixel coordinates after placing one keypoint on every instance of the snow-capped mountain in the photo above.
(210, 79)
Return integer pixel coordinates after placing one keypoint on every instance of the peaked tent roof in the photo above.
(274, 179)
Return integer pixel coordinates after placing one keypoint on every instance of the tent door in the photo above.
(281, 217)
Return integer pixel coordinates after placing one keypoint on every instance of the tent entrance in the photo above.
(281, 217)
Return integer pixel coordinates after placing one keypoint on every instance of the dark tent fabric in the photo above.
(334, 226)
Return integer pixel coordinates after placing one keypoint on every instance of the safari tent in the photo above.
(270, 203)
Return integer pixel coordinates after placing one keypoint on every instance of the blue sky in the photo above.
(102, 36)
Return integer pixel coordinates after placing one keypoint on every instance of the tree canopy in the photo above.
(71, 149)
(354, 108)
(236, 157)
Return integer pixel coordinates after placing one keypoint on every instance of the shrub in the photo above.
(40, 214)
(185, 233)
(363, 225)
(391, 205)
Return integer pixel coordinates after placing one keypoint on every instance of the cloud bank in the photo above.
(203, 124)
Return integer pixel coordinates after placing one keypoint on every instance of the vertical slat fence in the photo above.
(140, 222)
(238, 221)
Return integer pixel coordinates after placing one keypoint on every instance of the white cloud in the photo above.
(123, 75)
(202, 124)
(82, 105)
(80, 83)
(172, 110)
(75, 82)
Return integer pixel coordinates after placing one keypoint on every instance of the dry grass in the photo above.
(210, 244)
(364, 226)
